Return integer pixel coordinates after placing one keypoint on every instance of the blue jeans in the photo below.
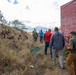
(45, 49)
(41, 39)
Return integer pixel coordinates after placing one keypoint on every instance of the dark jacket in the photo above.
(57, 41)
(35, 34)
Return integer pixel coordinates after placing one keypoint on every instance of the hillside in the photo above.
(17, 59)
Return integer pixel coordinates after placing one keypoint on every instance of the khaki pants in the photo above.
(69, 60)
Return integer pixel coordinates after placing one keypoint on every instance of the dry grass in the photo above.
(16, 59)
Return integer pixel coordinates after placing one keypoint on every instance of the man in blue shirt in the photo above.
(41, 36)
(57, 44)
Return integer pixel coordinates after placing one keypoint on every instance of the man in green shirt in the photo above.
(72, 54)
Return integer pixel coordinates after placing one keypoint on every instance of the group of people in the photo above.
(56, 43)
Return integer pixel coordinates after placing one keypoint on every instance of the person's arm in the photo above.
(70, 45)
(44, 36)
(37, 34)
(63, 41)
(51, 41)
(33, 33)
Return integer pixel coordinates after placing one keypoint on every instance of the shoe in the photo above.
(54, 64)
(51, 56)
(63, 67)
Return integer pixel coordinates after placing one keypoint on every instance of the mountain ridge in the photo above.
(38, 28)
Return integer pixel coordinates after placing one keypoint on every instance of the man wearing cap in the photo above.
(72, 54)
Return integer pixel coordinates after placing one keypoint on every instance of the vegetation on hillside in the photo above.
(16, 58)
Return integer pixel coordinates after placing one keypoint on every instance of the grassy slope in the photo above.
(16, 59)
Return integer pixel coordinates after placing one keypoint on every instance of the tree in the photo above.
(18, 24)
(2, 19)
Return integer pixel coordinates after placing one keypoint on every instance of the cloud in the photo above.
(27, 7)
(43, 12)
(27, 21)
(15, 2)
(9, 1)
(56, 4)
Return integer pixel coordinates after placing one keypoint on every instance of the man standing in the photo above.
(35, 35)
(41, 36)
(72, 54)
(57, 43)
(47, 36)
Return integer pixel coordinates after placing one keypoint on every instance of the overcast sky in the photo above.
(34, 12)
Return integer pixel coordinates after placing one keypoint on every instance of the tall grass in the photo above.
(16, 58)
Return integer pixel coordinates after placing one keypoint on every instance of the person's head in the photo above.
(56, 29)
(34, 29)
(41, 30)
(73, 33)
(49, 30)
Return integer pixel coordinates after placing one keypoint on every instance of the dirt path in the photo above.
(62, 71)
(56, 70)
(43, 66)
